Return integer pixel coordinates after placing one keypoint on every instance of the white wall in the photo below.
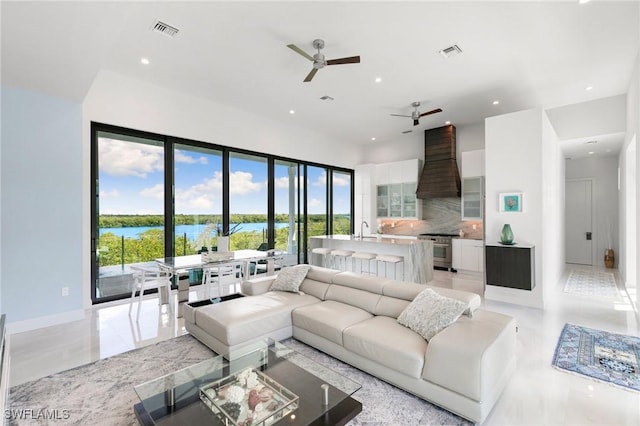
(41, 205)
(633, 129)
(515, 146)
(604, 172)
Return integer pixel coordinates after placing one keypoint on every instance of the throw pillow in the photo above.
(430, 313)
(290, 279)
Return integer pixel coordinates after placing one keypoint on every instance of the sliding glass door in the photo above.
(129, 208)
(157, 196)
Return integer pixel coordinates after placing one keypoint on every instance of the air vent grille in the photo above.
(165, 29)
(450, 51)
(326, 98)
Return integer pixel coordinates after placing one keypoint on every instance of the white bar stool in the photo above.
(390, 259)
(325, 253)
(363, 256)
(340, 258)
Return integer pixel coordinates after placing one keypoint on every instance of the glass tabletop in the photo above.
(176, 397)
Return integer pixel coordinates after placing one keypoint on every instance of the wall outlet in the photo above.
(473, 226)
(65, 291)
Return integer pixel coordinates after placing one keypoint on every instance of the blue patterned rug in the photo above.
(607, 357)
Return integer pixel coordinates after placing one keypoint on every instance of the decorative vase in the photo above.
(506, 236)
(223, 244)
(609, 258)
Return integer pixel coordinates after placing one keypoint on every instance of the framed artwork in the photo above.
(510, 202)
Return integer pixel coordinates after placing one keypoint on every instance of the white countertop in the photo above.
(374, 239)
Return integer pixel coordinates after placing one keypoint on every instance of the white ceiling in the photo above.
(524, 54)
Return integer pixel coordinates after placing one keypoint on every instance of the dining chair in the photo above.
(224, 274)
(149, 278)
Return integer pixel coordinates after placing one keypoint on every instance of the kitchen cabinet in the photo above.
(397, 200)
(396, 185)
(365, 197)
(511, 266)
(467, 254)
(472, 163)
(472, 198)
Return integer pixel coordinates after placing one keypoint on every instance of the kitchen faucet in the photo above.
(364, 222)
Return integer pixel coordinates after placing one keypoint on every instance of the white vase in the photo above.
(223, 244)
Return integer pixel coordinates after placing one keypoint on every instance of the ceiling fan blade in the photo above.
(300, 51)
(433, 111)
(400, 115)
(349, 60)
(310, 75)
(416, 122)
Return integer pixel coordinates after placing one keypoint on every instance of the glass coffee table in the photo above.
(272, 384)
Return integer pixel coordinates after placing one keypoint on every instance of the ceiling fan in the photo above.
(415, 115)
(318, 59)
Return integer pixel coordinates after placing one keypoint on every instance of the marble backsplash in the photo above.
(439, 215)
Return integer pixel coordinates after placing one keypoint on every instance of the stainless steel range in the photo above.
(441, 249)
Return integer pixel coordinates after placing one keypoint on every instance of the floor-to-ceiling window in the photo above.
(248, 184)
(287, 208)
(158, 196)
(197, 197)
(341, 202)
(129, 208)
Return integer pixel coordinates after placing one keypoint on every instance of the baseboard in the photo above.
(45, 321)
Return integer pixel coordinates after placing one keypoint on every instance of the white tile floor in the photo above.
(536, 395)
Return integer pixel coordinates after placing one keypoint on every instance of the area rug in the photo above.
(101, 393)
(592, 283)
(600, 355)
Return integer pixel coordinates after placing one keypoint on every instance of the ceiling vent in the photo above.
(165, 29)
(450, 51)
(327, 98)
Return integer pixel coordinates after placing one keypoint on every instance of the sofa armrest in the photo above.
(473, 355)
(257, 286)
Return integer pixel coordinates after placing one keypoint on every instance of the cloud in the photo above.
(121, 158)
(181, 157)
(114, 193)
(341, 180)
(314, 202)
(156, 191)
(322, 180)
(241, 183)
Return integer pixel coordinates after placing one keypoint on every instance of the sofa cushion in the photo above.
(353, 296)
(289, 279)
(381, 339)
(328, 319)
(236, 321)
(430, 313)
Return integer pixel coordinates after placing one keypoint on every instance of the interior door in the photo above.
(578, 222)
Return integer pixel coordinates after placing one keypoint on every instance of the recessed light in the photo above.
(378, 79)
(144, 61)
(590, 152)
(496, 102)
(447, 122)
(373, 139)
(583, 1)
(588, 88)
(291, 112)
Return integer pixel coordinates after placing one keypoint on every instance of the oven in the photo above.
(441, 249)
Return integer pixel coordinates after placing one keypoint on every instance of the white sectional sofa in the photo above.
(463, 368)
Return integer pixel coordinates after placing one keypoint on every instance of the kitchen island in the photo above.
(417, 254)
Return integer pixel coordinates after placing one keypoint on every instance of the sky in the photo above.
(131, 177)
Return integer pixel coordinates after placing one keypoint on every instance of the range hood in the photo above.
(440, 177)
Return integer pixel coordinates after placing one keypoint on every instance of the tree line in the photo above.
(130, 221)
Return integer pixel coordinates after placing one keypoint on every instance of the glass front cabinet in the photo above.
(472, 198)
(397, 200)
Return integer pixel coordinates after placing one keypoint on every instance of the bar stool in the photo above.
(363, 256)
(325, 253)
(340, 258)
(390, 259)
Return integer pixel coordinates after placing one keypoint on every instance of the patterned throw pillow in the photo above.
(290, 279)
(430, 313)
